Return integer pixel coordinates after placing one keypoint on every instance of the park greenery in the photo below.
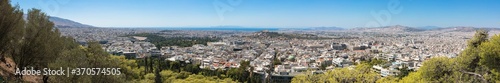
(160, 41)
(34, 42)
(292, 36)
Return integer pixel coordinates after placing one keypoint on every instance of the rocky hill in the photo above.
(65, 23)
(395, 28)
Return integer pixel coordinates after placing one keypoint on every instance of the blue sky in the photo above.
(272, 13)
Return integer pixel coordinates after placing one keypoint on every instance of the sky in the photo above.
(272, 13)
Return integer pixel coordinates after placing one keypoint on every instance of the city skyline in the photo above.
(278, 14)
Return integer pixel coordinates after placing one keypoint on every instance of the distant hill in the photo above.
(456, 29)
(326, 28)
(395, 28)
(65, 23)
(429, 27)
(462, 29)
(400, 28)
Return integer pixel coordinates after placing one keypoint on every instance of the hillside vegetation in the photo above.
(478, 63)
(35, 42)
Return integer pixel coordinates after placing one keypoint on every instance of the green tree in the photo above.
(490, 57)
(468, 66)
(404, 72)
(480, 37)
(11, 27)
(413, 77)
(310, 77)
(361, 74)
(74, 57)
(389, 79)
(302, 78)
(276, 61)
(40, 44)
(439, 69)
(469, 58)
(98, 58)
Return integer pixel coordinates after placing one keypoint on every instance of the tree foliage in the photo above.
(469, 58)
(490, 57)
(40, 45)
(361, 74)
(477, 63)
(11, 27)
(34, 42)
(389, 79)
(438, 69)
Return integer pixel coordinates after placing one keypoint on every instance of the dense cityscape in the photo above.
(274, 53)
(251, 41)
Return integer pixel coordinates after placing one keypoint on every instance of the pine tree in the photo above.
(11, 28)
(490, 57)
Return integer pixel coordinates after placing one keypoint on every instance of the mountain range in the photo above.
(401, 28)
(65, 23)
(395, 28)
(326, 28)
